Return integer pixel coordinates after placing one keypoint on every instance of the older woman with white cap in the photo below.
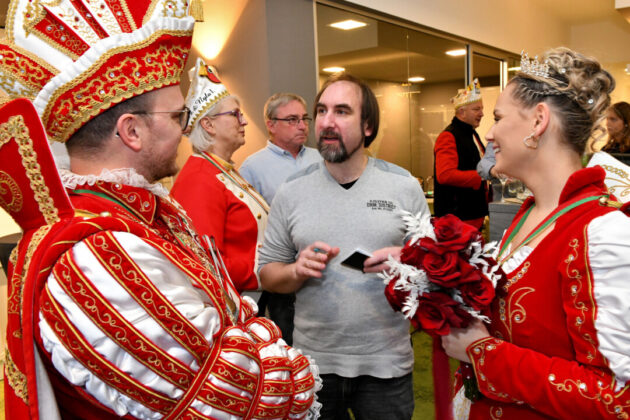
(222, 205)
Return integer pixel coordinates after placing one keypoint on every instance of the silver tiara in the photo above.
(534, 67)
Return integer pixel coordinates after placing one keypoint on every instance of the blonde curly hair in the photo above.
(576, 87)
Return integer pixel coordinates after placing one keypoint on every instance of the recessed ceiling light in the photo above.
(333, 69)
(416, 79)
(514, 68)
(456, 53)
(348, 24)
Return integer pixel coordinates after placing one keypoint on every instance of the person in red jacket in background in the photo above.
(459, 189)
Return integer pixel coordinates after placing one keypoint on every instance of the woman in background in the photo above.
(617, 119)
(558, 345)
(221, 204)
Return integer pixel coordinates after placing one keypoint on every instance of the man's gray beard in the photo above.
(333, 153)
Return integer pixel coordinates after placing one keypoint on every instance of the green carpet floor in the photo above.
(422, 379)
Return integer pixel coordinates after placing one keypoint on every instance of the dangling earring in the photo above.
(532, 138)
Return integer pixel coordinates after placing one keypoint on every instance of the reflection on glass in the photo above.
(413, 112)
(386, 55)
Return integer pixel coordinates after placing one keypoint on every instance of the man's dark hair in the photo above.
(90, 137)
(369, 104)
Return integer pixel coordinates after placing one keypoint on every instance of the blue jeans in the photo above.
(368, 397)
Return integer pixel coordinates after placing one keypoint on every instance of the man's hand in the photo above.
(376, 263)
(313, 259)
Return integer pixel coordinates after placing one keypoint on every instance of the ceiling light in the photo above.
(348, 24)
(456, 53)
(333, 69)
(416, 79)
(514, 68)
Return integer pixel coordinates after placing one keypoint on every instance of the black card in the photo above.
(356, 260)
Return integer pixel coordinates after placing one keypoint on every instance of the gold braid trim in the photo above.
(170, 8)
(15, 378)
(35, 13)
(16, 201)
(10, 22)
(14, 301)
(603, 394)
(99, 88)
(17, 129)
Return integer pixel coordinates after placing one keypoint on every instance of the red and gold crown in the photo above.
(77, 58)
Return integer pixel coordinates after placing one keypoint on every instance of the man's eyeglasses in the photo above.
(294, 120)
(235, 113)
(184, 115)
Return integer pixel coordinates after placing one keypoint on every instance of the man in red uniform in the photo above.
(115, 307)
(459, 189)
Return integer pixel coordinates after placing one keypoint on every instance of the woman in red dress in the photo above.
(221, 204)
(558, 345)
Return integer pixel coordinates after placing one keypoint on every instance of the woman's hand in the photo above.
(456, 343)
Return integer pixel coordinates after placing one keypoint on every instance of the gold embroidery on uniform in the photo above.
(496, 413)
(35, 12)
(15, 128)
(607, 398)
(480, 349)
(8, 185)
(125, 8)
(15, 378)
(149, 14)
(165, 9)
(93, 94)
(575, 279)
(512, 312)
(514, 279)
(172, 8)
(13, 256)
(198, 274)
(576, 285)
(73, 19)
(622, 183)
(73, 340)
(11, 14)
(30, 72)
(14, 301)
(150, 296)
(78, 285)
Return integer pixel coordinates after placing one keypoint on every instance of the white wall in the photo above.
(259, 48)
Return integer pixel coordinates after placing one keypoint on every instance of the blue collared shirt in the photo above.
(268, 168)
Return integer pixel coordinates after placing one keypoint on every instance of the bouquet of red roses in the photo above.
(446, 275)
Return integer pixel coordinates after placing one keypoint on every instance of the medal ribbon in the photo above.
(548, 221)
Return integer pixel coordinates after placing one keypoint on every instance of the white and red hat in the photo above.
(205, 90)
(76, 59)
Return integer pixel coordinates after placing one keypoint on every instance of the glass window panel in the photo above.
(386, 56)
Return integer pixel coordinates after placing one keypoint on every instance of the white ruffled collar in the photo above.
(126, 176)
